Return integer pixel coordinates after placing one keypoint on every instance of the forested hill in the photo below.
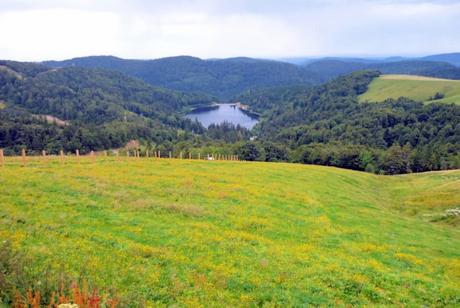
(328, 125)
(94, 108)
(224, 78)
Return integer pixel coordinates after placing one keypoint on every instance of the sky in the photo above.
(35, 30)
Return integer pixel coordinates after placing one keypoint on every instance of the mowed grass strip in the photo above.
(199, 233)
(415, 87)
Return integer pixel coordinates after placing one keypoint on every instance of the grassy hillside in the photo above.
(236, 233)
(415, 87)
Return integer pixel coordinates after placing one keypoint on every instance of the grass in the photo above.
(198, 233)
(415, 87)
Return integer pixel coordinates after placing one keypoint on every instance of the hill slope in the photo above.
(236, 234)
(415, 87)
(102, 108)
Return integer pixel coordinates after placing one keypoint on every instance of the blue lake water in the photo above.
(222, 113)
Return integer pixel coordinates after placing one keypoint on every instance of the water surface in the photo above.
(222, 113)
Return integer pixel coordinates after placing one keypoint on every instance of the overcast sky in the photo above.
(60, 29)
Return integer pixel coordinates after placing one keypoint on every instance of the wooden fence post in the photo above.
(180, 155)
(147, 153)
(189, 155)
(2, 158)
(170, 154)
(23, 155)
(199, 156)
(127, 153)
(43, 153)
(105, 153)
(61, 156)
(159, 154)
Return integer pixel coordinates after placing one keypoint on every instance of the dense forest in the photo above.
(95, 109)
(223, 78)
(86, 109)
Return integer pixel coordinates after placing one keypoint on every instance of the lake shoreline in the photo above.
(244, 108)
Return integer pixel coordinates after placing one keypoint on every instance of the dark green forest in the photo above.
(222, 78)
(228, 78)
(92, 109)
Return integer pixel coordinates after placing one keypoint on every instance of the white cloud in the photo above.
(57, 33)
(52, 29)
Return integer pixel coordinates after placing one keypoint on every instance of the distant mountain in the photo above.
(223, 78)
(331, 68)
(328, 69)
(452, 58)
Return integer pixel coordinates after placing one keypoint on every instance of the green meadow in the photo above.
(222, 233)
(415, 87)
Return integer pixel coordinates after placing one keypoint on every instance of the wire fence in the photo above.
(93, 156)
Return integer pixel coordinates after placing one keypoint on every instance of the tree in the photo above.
(397, 160)
(250, 151)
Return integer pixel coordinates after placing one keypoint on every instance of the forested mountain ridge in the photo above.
(224, 78)
(228, 78)
(452, 58)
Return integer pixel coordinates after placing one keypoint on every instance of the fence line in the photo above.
(115, 153)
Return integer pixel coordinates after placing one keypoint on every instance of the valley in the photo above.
(253, 154)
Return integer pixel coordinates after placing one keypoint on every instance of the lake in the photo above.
(221, 113)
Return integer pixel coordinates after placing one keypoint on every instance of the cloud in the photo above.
(52, 29)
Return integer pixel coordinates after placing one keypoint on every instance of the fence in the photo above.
(116, 154)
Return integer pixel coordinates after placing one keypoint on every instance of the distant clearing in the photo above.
(51, 119)
(415, 87)
(10, 71)
(2, 105)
